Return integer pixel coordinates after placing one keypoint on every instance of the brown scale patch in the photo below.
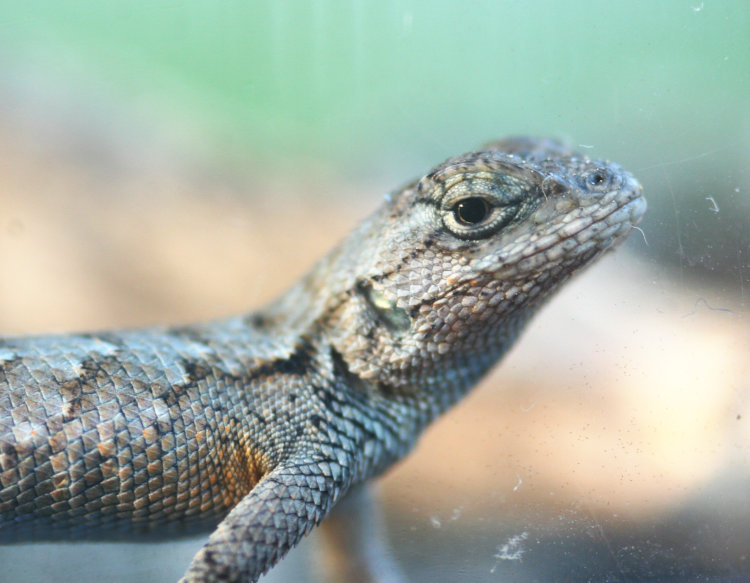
(240, 466)
(106, 449)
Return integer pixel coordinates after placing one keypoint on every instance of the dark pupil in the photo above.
(471, 211)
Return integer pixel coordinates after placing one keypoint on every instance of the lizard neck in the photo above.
(365, 346)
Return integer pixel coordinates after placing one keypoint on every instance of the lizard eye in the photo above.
(477, 217)
(478, 206)
(471, 211)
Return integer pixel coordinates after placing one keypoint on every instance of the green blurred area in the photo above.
(386, 89)
(340, 80)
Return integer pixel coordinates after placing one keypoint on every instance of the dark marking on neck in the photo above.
(300, 363)
(342, 372)
(258, 320)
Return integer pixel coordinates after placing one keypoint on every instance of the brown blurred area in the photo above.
(615, 435)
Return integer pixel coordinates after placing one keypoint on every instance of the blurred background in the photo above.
(167, 162)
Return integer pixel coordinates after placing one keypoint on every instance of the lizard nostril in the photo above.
(598, 180)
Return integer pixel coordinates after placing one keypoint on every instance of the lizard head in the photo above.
(458, 261)
(433, 288)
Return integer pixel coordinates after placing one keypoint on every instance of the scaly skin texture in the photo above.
(262, 422)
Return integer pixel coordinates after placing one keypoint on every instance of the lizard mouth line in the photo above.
(634, 200)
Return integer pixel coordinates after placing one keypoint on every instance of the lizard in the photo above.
(262, 422)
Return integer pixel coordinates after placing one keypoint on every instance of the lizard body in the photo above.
(260, 423)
